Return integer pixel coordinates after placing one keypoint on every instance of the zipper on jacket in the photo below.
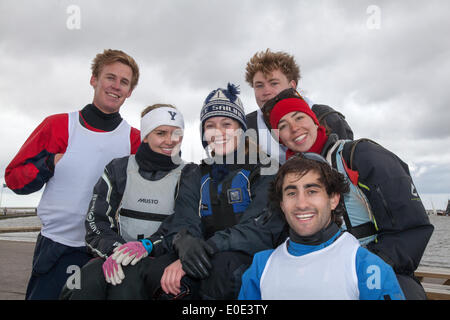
(386, 207)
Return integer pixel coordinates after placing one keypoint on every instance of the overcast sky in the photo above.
(384, 64)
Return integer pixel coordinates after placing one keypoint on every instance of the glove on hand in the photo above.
(130, 252)
(113, 272)
(194, 254)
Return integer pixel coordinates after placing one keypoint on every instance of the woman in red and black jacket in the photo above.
(400, 224)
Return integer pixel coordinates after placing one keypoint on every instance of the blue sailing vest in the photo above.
(221, 205)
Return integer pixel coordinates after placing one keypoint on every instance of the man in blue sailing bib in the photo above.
(318, 261)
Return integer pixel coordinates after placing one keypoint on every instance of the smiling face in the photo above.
(112, 87)
(221, 134)
(268, 86)
(306, 204)
(165, 140)
(297, 131)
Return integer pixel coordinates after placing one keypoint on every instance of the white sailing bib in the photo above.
(67, 194)
(326, 274)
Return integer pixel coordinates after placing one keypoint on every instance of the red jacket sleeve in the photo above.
(135, 140)
(33, 165)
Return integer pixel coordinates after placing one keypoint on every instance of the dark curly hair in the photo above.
(333, 181)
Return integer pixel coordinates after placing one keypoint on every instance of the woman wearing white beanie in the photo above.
(141, 189)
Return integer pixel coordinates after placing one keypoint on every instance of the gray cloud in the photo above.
(389, 82)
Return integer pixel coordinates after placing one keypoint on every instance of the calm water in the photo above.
(437, 253)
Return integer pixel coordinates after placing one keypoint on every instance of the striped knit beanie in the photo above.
(223, 103)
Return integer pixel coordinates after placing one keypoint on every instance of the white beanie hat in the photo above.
(159, 117)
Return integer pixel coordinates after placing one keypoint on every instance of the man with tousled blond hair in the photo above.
(68, 152)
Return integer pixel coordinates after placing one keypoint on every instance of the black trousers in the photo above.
(142, 281)
(224, 282)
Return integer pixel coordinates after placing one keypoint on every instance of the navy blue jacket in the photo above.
(404, 228)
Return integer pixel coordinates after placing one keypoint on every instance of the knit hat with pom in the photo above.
(223, 103)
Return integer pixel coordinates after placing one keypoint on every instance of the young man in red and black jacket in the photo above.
(68, 152)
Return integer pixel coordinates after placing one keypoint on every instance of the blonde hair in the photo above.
(155, 106)
(268, 61)
(110, 56)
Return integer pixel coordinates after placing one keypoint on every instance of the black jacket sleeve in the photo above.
(333, 120)
(251, 234)
(102, 233)
(404, 227)
(258, 229)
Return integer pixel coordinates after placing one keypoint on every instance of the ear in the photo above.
(93, 81)
(293, 84)
(282, 206)
(129, 93)
(334, 200)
